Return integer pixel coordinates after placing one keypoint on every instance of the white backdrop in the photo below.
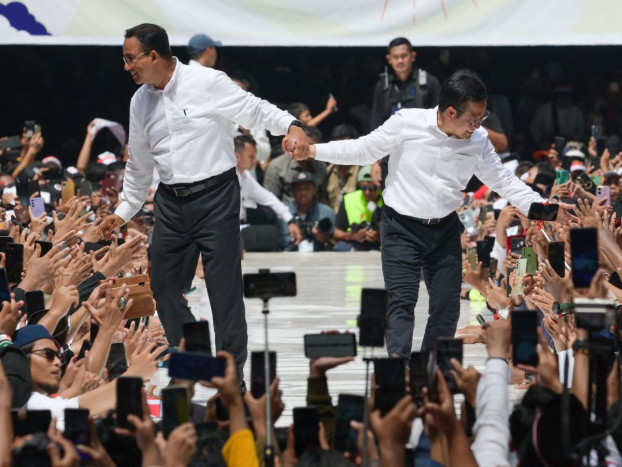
(318, 22)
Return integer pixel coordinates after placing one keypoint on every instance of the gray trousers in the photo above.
(408, 248)
(206, 223)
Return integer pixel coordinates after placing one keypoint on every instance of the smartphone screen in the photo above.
(524, 337)
(174, 408)
(116, 364)
(306, 429)
(390, 383)
(22, 192)
(268, 285)
(197, 337)
(614, 279)
(418, 375)
(14, 261)
(557, 257)
(128, 400)
(5, 291)
(77, 426)
(45, 246)
(349, 407)
(195, 366)
(34, 302)
(258, 381)
(372, 320)
(584, 249)
(36, 421)
(543, 212)
(330, 345)
(446, 349)
(4, 240)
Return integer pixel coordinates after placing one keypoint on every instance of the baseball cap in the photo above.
(52, 160)
(303, 177)
(364, 174)
(31, 333)
(199, 42)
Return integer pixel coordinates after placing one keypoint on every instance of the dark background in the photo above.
(64, 87)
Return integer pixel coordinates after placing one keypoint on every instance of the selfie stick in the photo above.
(268, 449)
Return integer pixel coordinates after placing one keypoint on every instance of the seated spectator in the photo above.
(341, 179)
(357, 225)
(315, 220)
(259, 232)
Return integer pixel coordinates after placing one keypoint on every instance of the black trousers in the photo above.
(206, 223)
(408, 249)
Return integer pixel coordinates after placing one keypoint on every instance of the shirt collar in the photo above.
(431, 121)
(173, 81)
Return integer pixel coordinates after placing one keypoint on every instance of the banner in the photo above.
(318, 22)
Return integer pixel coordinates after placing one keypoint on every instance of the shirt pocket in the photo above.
(460, 167)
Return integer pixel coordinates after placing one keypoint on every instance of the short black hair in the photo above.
(344, 131)
(399, 41)
(313, 133)
(460, 88)
(297, 108)
(151, 37)
(241, 140)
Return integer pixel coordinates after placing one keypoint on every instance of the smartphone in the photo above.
(35, 421)
(562, 176)
(418, 375)
(543, 212)
(86, 346)
(603, 192)
(483, 252)
(30, 128)
(77, 426)
(68, 189)
(584, 249)
(530, 255)
(519, 274)
(390, 383)
(557, 257)
(116, 364)
(129, 400)
(614, 279)
(483, 212)
(258, 380)
(5, 291)
(14, 261)
(12, 142)
(494, 263)
(175, 410)
(468, 221)
(597, 133)
(586, 183)
(94, 332)
(111, 180)
(524, 337)
(560, 145)
(4, 240)
(34, 302)
(37, 206)
(515, 244)
(617, 210)
(349, 408)
(472, 257)
(446, 349)
(45, 246)
(270, 284)
(22, 191)
(330, 345)
(195, 366)
(197, 337)
(372, 320)
(306, 429)
(37, 128)
(480, 319)
(508, 285)
(86, 189)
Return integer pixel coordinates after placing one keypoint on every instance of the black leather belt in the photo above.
(428, 221)
(182, 190)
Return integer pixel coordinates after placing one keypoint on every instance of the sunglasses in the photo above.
(50, 354)
(367, 187)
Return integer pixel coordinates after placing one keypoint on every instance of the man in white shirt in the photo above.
(434, 153)
(181, 124)
(259, 237)
(202, 50)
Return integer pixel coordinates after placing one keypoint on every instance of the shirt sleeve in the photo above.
(498, 178)
(239, 450)
(367, 149)
(232, 102)
(138, 170)
(261, 196)
(56, 405)
(491, 430)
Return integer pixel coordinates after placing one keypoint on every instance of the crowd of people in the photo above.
(62, 255)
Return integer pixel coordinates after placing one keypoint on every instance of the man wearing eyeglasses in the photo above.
(357, 226)
(434, 153)
(181, 121)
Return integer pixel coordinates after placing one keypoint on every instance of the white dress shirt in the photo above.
(427, 168)
(193, 63)
(185, 130)
(250, 189)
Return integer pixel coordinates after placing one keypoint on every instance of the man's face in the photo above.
(303, 193)
(247, 157)
(212, 56)
(464, 122)
(614, 188)
(137, 61)
(370, 191)
(45, 373)
(401, 59)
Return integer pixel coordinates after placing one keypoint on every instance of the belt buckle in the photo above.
(432, 221)
(180, 191)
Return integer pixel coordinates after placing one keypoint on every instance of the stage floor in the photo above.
(329, 290)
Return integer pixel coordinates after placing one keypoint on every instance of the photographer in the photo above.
(315, 220)
(357, 227)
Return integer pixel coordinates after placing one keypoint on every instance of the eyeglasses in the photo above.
(131, 61)
(367, 187)
(50, 354)
(476, 122)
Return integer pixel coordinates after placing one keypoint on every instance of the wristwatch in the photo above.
(561, 308)
(581, 346)
(297, 123)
